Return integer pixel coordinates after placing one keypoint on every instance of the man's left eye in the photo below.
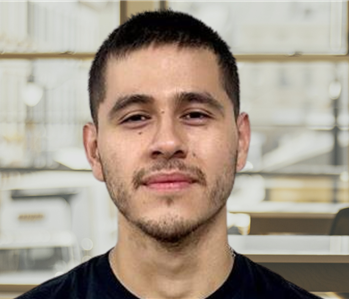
(195, 115)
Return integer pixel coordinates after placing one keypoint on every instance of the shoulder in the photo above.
(69, 285)
(264, 283)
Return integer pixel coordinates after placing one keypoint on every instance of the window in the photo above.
(294, 86)
(44, 102)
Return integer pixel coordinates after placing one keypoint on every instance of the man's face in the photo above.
(167, 143)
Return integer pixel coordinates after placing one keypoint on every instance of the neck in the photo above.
(166, 271)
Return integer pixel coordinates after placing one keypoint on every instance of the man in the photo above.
(167, 138)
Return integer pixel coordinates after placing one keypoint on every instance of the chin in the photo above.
(174, 229)
(170, 230)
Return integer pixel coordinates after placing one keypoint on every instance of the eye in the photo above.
(196, 117)
(135, 120)
(195, 114)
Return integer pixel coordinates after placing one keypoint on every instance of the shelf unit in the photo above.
(128, 8)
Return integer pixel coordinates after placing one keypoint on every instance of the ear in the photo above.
(244, 131)
(90, 135)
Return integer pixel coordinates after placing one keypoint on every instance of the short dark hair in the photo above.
(161, 28)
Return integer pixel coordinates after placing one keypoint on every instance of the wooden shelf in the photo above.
(48, 55)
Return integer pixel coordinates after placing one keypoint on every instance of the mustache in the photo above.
(167, 165)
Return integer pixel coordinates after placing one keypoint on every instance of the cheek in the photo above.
(214, 154)
(117, 156)
(123, 150)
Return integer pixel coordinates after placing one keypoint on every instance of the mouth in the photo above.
(168, 181)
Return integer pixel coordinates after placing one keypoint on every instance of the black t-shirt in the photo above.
(95, 280)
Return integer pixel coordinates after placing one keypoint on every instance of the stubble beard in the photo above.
(172, 230)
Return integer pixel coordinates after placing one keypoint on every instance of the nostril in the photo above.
(168, 154)
(156, 154)
(179, 154)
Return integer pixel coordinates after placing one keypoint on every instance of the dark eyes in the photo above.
(191, 118)
(135, 121)
(197, 115)
(136, 118)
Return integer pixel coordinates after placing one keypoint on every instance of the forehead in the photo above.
(161, 72)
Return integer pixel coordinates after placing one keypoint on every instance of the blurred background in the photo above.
(293, 63)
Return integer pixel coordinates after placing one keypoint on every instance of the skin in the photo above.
(167, 113)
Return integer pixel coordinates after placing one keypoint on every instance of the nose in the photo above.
(169, 141)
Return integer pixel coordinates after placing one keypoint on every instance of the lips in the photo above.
(168, 181)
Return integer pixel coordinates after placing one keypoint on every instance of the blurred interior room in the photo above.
(293, 63)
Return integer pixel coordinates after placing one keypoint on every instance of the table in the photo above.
(288, 217)
(316, 263)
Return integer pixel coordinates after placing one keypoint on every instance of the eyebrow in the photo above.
(128, 100)
(200, 98)
(181, 98)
